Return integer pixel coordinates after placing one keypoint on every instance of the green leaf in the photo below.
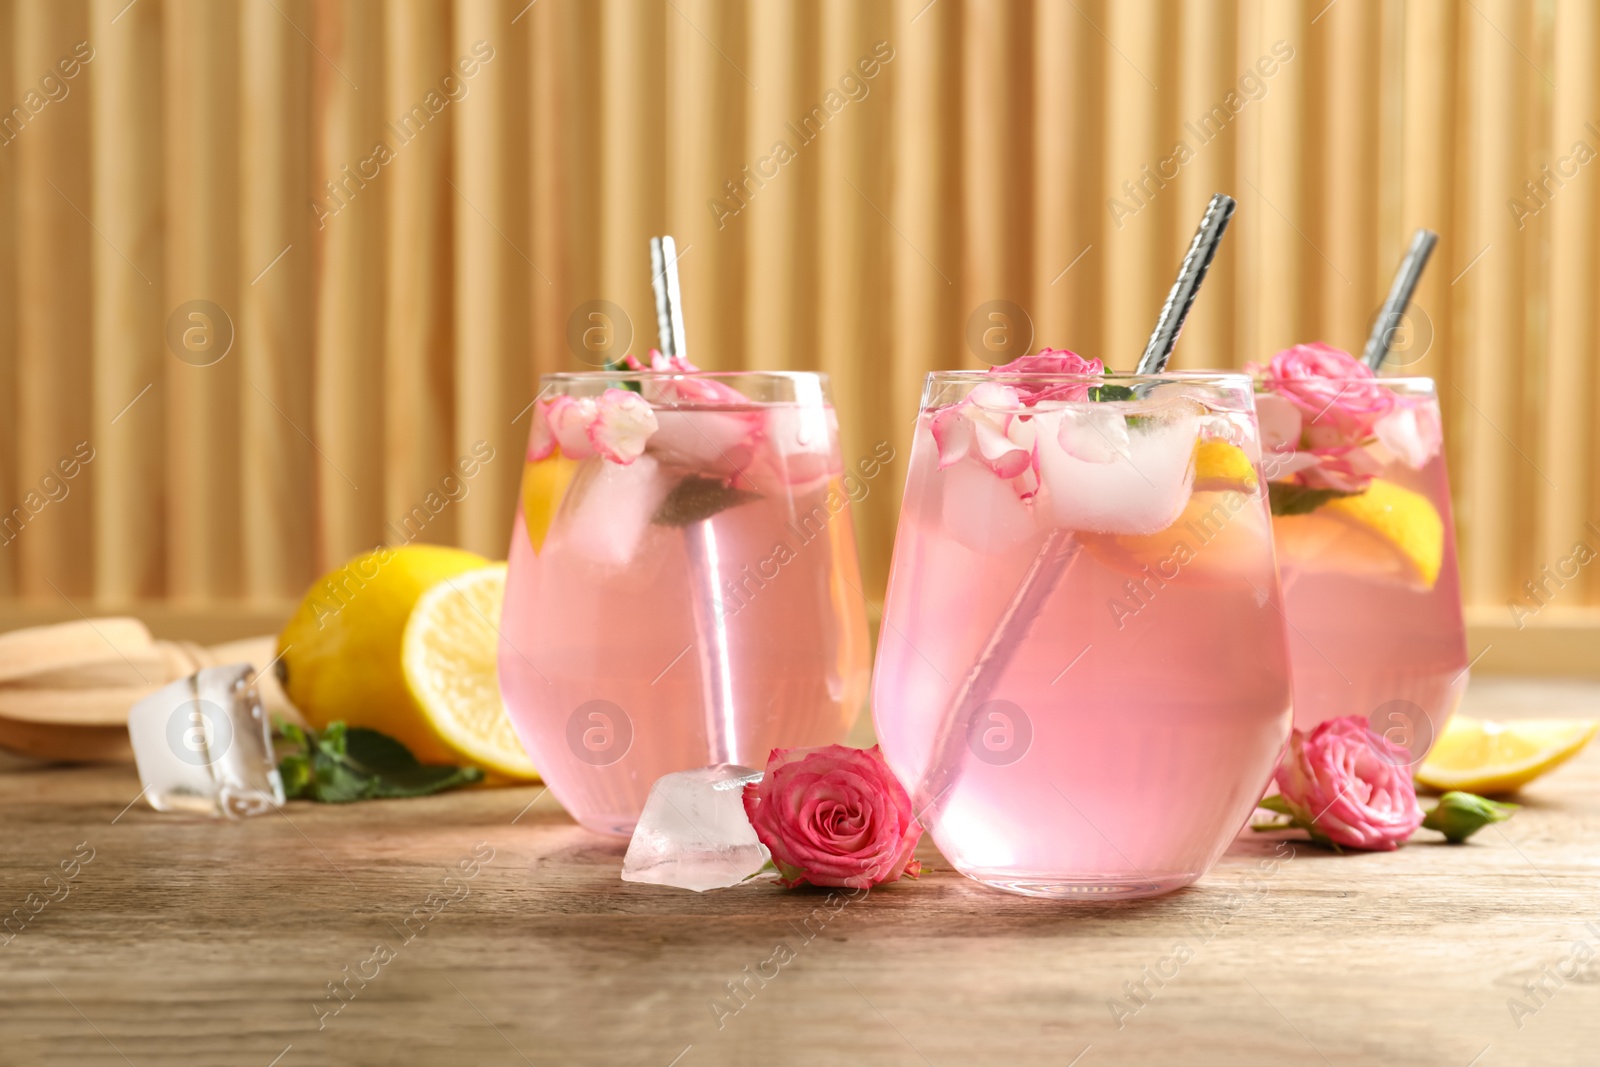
(296, 774)
(336, 782)
(1460, 815)
(340, 765)
(622, 365)
(422, 780)
(1290, 498)
(332, 739)
(1110, 392)
(377, 753)
(696, 499)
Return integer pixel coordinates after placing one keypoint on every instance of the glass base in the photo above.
(1080, 887)
(611, 825)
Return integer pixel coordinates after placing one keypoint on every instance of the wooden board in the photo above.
(186, 940)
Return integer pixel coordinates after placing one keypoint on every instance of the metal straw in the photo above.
(699, 540)
(1059, 549)
(1202, 250)
(669, 296)
(1401, 290)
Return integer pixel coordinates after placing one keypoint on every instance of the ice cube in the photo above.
(693, 832)
(203, 745)
(1139, 488)
(708, 441)
(610, 509)
(983, 510)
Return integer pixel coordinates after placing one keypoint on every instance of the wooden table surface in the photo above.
(191, 941)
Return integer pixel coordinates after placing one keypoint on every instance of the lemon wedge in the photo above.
(1220, 466)
(448, 654)
(544, 484)
(1478, 756)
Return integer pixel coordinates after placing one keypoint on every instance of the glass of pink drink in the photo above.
(683, 583)
(1082, 674)
(1366, 549)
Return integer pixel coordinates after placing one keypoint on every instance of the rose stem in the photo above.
(1059, 549)
(1401, 290)
(699, 538)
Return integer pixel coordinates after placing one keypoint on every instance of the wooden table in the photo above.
(199, 942)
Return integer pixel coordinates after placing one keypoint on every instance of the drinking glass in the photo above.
(694, 604)
(1083, 672)
(1367, 552)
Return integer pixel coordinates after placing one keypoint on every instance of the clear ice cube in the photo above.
(203, 745)
(693, 832)
(1138, 484)
(612, 508)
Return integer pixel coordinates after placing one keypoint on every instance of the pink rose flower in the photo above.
(834, 816)
(687, 389)
(1411, 432)
(616, 426)
(1350, 785)
(1052, 361)
(1331, 387)
(989, 422)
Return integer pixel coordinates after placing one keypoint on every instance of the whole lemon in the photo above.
(340, 656)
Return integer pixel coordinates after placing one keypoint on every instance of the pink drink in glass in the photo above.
(1367, 556)
(696, 604)
(1082, 672)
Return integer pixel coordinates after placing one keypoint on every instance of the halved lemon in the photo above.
(1387, 532)
(448, 655)
(1407, 520)
(1220, 466)
(1478, 756)
(544, 483)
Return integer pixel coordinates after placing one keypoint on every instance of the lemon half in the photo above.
(1220, 466)
(339, 655)
(1408, 521)
(1479, 756)
(451, 644)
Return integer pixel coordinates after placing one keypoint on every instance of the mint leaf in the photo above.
(377, 753)
(1291, 498)
(696, 499)
(341, 764)
(1110, 392)
(296, 774)
(622, 365)
(422, 780)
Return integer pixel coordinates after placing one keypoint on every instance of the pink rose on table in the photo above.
(1349, 785)
(834, 816)
(1332, 388)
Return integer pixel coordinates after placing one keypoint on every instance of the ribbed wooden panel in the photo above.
(276, 317)
(1047, 154)
(130, 356)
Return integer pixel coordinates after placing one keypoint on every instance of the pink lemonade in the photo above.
(695, 603)
(1082, 672)
(1367, 555)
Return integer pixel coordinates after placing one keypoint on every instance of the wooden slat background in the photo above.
(389, 314)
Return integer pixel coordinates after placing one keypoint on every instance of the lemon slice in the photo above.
(1406, 520)
(544, 483)
(448, 655)
(1220, 466)
(1478, 756)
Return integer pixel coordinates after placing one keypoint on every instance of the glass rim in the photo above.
(1398, 379)
(1204, 377)
(670, 375)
